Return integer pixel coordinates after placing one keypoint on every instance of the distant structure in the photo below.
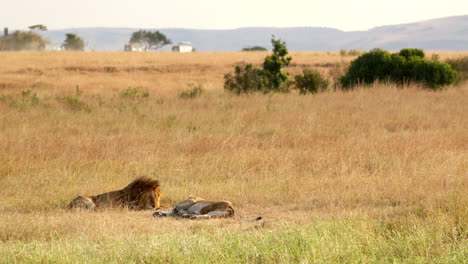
(53, 47)
(182, 47)
(3, 43)
(134, 47)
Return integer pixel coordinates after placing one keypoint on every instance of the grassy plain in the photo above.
(368, 176)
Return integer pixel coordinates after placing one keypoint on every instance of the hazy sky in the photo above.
(218, 14)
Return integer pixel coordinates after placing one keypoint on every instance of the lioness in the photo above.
(199, 208)
(143, 193)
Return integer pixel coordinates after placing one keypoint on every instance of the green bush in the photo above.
(367, 68)
(461, 66)
(247, 79)
(433, 74)
(271, 78)
(409, 65)
(193, 91)
(408, 53)
(310, 82)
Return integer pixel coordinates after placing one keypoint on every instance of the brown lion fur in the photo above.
(143, 193)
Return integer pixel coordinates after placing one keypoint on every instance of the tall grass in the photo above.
(373, 175)
(316, 242)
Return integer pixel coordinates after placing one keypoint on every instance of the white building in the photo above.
(182, 47)
(53, 47)
(134, 47)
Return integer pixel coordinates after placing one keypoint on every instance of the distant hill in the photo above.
(449, 33)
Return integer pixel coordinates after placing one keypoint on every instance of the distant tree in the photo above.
(38, 27)
(274, 64)
(22, 40)
(151, 39)
(138, 37)
(73, 42)
(254, 48)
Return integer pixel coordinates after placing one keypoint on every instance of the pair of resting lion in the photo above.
(144, 193)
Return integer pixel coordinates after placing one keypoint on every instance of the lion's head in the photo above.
(144, 193)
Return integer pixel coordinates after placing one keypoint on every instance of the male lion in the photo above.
(199, 208)
(143, 193)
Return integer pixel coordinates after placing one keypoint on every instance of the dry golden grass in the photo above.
(385, 153)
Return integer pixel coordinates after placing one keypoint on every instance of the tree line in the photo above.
(32, 40)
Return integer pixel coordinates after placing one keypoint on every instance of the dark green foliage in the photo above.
(20, 40)
(408, 53)
(310, 82)
(407, 66)
(73, 42)
(271, 78)
(246, 79)
(369, 67)
(273, 65)
(151, 39)
(433, 74)
(254, 48)
(461, 66)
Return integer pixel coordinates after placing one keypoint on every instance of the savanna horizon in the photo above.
(384, 165)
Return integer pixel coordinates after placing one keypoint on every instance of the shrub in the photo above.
(408, 53)
(134, 93)
(28, 97)
(74, 103)
(367, 68)
(254, 48)
(310, 82)
(193, 91)
(271, 78)
(433, 74)
(406, 66)
(461, 66)
(246, 79)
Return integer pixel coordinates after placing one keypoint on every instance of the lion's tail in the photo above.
(248, 220)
